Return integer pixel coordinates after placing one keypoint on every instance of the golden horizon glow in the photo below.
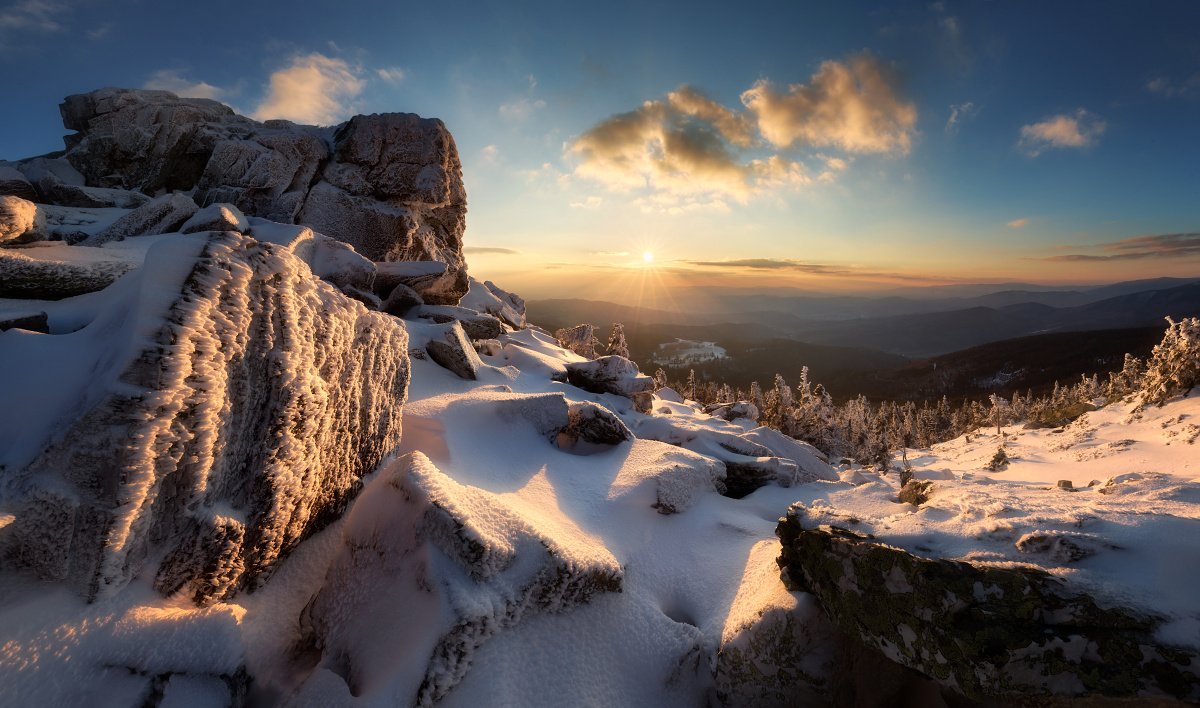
(648, 256)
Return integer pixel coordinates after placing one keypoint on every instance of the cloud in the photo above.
(592, 202)
(820, 269)
(492, 250)
(313, 89)
(392, 75)
(1018, 223)
(959, 113)
(852, 105)
(610, 254)
(521, 108)
(735, 127)
(1170, 88)
(101, 31)
(1181, 245)
(169, 80)
(489, 154)
(660, 147)
(687, 152)
(1078, 130)
(32, 15)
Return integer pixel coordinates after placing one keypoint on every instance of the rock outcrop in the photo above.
(452, 565)
(986, 632)
(388, 184)
(231, 412)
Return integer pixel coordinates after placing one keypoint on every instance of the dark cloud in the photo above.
(1182, 245)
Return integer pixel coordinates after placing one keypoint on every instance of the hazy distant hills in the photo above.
(966, 343)
(905, 326)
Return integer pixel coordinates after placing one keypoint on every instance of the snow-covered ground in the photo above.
(500, 556)
(690, 578)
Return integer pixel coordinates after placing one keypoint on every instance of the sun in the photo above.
(647, 256)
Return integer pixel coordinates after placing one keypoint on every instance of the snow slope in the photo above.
(427, 587)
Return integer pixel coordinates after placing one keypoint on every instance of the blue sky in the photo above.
(811, 147)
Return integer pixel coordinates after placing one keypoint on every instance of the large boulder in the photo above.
(450, 566)
(388, 184)
(233, 401)
(986, 631)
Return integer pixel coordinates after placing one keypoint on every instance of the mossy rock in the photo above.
(986, 632)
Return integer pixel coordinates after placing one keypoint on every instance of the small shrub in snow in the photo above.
(999, 461)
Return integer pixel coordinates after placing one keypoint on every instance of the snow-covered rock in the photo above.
(613, 374)
(20, 221)
(31, 320)
(451, 349)
(488, 297)
(595, 424)
(14, 183)
(434, 281)
(477, 325)
(161, 215)
(216, 217)
(220, 409)
(452, 565)
(401, 300)
(53, 270)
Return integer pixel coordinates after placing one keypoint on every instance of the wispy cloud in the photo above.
(1181, 245)
(33, 15)
(392, 74)
(173, 81)
(809, 268)
(1018, 223)
(1078, 130)
(492, 250)
(313, 88)
(959, 113)
(592, 202)
(521, 108)
(1172, 88)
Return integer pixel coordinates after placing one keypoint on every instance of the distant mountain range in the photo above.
(904, 347)
(905, 326)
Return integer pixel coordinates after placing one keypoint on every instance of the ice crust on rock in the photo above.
(235, 403)
(450, 563)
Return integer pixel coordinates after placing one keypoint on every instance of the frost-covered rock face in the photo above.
(984, 631)
(428, 571)
(388, 184)
(580, 339)
(233, 406)
(20, 221)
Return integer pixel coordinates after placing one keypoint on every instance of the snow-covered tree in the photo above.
(660, 379)
(1174, 366)
(616, 341)
(690, 388)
